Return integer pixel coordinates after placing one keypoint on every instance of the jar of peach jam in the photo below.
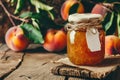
(85, 39)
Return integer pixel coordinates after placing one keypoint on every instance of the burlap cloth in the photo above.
(110, 65)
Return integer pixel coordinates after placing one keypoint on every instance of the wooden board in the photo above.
(36, 66)
(108, 69)
(9, 60)
(31, 64)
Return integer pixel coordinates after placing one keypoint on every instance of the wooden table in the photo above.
(31, 64)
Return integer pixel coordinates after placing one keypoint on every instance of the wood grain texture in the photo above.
(36, 66)
(9, 60)
(108, 69)
(33, 69)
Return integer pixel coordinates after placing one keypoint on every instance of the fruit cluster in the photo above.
(55, 40)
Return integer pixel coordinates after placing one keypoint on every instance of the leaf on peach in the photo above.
(32, 33)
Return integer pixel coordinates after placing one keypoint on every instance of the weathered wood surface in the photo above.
(109, 67)
(9, 60)
(32, 64)
(36, 66)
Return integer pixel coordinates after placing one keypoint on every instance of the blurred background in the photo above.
(45, 14)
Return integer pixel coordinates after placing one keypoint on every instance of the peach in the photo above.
(55, 40)
(66, 8)
(112, 45)
(15, 39)
(99, 9)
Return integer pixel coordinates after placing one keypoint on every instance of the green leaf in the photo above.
(106, 19)
(35, 23)
(40, 5)
(32, 33)
(41, 18)
(109, 23)
(30, 15)
(19, 6)
(26, 15)
(51, 15)
(118, 24)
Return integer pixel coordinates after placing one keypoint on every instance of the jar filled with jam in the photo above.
(85, 39)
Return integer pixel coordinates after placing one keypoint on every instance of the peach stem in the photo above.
(10, 15)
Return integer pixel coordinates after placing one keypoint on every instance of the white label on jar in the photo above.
(72, 36)
(92, 38)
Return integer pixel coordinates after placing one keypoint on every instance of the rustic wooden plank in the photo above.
(73, 78)
(3, 48)
(33, 46)
(9, 60)
(36, 67)
(1, 44)
(107, 70)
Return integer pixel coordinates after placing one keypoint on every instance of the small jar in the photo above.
(85, 39)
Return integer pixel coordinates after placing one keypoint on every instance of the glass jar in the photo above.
(85, 39)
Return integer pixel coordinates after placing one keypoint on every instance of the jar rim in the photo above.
(85, 17)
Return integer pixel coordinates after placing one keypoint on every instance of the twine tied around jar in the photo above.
(83, 25)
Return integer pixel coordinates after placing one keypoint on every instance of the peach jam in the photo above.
(85, 39)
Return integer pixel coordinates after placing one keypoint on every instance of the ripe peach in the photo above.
(15, 39)
(112, 45)
(99, 9)
(66, 8)
(55, 40)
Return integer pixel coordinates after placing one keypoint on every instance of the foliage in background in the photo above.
(42, 15)
(41, 18)
(111, 21)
